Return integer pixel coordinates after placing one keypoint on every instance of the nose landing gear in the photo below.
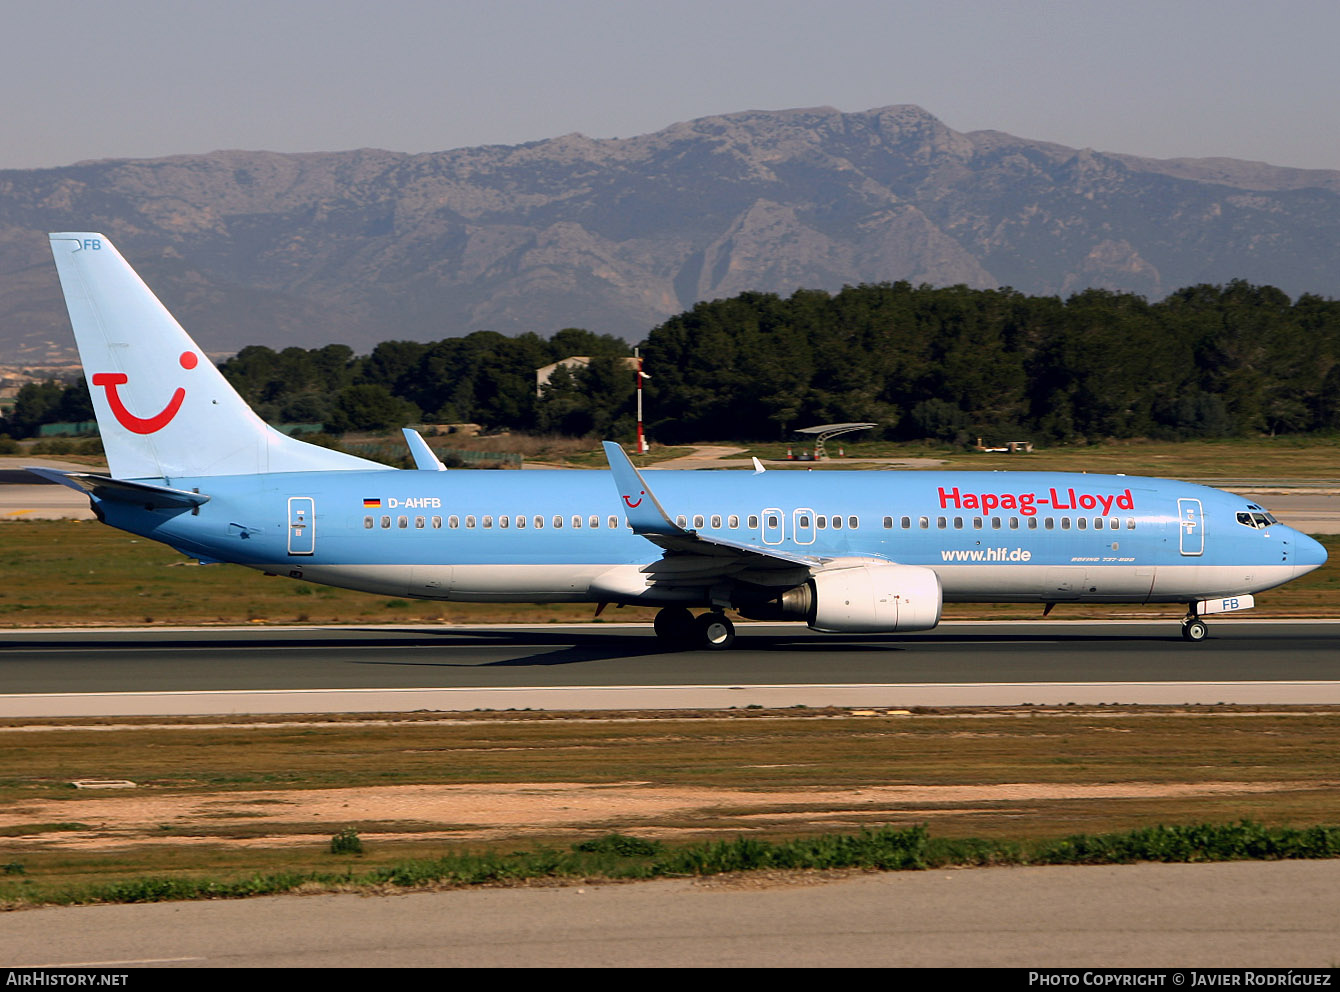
(679, 630)
(1194, 629)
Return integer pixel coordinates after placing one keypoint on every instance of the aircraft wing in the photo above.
(688, 554)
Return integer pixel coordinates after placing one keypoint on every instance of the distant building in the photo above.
(571, 364)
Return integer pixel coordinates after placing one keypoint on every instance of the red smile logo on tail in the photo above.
(142, 425)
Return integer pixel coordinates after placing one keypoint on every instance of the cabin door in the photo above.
(1192, 526)
(301, 525)
(802, 526)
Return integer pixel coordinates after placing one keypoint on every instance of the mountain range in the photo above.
(615, 235)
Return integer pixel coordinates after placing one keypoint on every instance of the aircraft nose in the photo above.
(1308, 554)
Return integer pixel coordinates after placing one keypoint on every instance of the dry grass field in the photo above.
(230, 798)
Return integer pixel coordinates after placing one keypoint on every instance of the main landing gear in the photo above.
(678, 629)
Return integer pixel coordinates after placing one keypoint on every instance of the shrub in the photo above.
(346, 842)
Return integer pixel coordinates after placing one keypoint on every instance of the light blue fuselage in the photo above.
(997, 536)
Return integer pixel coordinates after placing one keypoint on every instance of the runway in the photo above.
(611, 666)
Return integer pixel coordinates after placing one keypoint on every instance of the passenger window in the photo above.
(923, 522)
(367, 523)
(682, 520)
(821, 522)
(1097, 523)
(504, 520)
(1130, 523)
(1014, 523)
(773, 521)
(576, 520)
(386, 521)
(1032, 523)
(437, 523)
(976, 523)
(1049, 524)
(1065, 523)
(613, 523)
(837, 522)
(853, 522)
(716, 521)
(906, 523)
(520, 522)
(487, 522)
(419, 522)
(593, 521)
(470, 521)
(558, 521)
(753, 521)
(804, 521)
(941, 522)
(453, 522)
(733, 521)
(888, 523)
(1081, 523)
(698, 522)
(539, 522)
(996, 523)
(958, 523)
(402, 522)
(1114, 523)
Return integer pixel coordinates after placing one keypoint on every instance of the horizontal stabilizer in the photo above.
(104, 487)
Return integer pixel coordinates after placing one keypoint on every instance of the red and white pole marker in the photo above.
(641, 438)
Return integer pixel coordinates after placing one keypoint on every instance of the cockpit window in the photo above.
(1260, 519)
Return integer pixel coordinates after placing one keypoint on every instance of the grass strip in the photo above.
(621, 857)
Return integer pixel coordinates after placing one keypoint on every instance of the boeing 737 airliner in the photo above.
(192, 466)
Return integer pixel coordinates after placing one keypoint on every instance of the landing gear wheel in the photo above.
(1194, 630)
(715, 631)
(675, 627)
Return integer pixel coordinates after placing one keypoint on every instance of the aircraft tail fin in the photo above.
(163, 409)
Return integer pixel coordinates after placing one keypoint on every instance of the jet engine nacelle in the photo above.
(869, 598)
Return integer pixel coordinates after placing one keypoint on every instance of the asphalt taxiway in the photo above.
(1149, 916)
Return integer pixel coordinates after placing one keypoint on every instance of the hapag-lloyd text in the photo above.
(1027, 503)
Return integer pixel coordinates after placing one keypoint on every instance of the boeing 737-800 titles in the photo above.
(192, 466)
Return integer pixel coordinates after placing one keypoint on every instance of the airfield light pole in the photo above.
(641, 439)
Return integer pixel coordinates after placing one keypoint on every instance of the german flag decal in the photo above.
(371, 504)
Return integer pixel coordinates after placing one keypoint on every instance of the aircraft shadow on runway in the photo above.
(589, 646)
(559, 646)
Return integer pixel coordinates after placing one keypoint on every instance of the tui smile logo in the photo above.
(143, 425)
(629, 500)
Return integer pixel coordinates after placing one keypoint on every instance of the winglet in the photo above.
(643, 510)
(424, 459)
(758, 466)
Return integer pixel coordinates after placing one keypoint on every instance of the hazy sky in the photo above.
(137, 78)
